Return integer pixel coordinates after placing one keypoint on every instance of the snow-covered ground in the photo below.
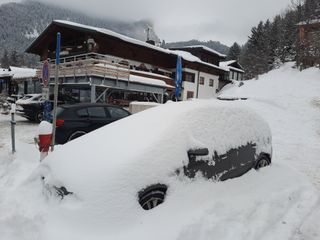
(278, 202)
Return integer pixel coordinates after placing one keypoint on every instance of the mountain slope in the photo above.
(21, 23)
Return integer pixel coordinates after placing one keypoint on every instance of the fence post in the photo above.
(13, 123)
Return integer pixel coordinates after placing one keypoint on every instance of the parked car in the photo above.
(14, 97)
(76, 120)
(29, 98)
(31, 107)
(123, 170)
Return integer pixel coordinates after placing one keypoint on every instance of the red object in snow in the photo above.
(44, 142)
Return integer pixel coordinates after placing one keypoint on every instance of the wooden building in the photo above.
(309, 44)
(96, 63)
(197, 83)
(19, 81)
(236, 71)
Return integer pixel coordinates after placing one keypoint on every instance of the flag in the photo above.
(178, 77)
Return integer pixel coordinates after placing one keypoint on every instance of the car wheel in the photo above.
(39, 116)
(76, 135)
(152, 196)
(262, 162)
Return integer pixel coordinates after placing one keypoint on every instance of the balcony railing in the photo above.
(88, 65)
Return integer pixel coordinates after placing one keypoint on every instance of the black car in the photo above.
(76, 120)
(33, 110)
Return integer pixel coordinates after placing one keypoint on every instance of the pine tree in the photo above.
(14, 58)
(234, 52)
(5, 63)
(311, 10)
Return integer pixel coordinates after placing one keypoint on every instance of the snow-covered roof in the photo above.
(150, 74)
(149, 81)
(5, 72)
(141, 43)
(191, 58)
(227, 64)
(204, 48)
(19, 73)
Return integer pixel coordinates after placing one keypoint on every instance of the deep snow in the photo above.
(278, 202)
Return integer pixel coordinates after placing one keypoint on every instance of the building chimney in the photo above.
(152, 42)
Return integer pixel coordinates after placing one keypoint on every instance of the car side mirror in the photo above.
(198, 152)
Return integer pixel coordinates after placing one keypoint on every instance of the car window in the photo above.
(97, 112)
(59, 111)
(117, 112)
(26, 97)
(37, 98)
(82, 113)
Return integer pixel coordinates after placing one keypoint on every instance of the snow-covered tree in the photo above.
(234, 52)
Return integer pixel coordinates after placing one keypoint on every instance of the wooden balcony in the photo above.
(89, 65)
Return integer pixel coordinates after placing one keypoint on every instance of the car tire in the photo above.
(75, 135)
(262, 162)
(39, 116)
(152, 196)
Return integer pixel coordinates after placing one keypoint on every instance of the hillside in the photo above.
(21, 23)
(289, 100)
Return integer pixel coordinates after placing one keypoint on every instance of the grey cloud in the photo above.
(226, 21)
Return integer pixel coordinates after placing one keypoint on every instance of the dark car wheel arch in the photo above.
(152, 196)
(76, 134)
(39, 116)
(263, 161)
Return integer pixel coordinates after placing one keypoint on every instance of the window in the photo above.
(189, 94)
(201, 80)
(211, 81)
(97, 112)
(188, 77)
(117, 112)
(82, 113)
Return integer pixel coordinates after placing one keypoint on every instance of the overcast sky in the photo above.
(226, 21)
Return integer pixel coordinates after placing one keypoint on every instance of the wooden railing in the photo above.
(90, 64)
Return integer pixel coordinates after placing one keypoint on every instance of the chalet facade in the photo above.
(99, 65)
(5, 80)
(19, 81)
(309, 44)
(236, 71)
(201, 84)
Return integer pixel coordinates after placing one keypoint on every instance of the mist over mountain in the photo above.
(21, 23)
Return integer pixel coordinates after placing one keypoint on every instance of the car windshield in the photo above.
(26, 97)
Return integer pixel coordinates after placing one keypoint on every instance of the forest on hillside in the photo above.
(22, 22)
(275, 41)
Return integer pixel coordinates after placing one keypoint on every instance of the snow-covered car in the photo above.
(32, 109)
(129, 166)
(29, 98)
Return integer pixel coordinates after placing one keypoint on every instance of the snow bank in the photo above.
(289, 100)
(278, 202)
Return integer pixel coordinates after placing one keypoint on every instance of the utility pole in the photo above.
(55, 103)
